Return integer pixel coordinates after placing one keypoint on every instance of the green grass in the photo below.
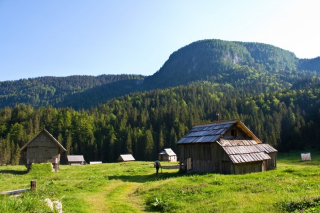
(133, 187)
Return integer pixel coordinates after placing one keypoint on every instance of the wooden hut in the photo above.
(168, 155)
(126, 157)
(226, 147)
(43, 148)
(76, 160)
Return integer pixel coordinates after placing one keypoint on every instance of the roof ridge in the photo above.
(215, 122)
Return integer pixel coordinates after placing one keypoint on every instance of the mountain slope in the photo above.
(45, 91)
(215, 59)
(247, 67)
(250, 68)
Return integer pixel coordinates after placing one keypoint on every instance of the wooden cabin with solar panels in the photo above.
(226, 147)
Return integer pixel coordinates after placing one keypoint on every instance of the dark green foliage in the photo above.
(44, 91)
(145, 123)
(311, 204)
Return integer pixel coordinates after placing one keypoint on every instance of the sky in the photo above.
(80, 37)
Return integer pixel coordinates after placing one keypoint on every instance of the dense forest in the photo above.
(144, 123)
(45, 91)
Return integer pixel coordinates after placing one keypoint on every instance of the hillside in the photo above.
(251, 68)
(133, 187)
(221, 61)
(44, 91)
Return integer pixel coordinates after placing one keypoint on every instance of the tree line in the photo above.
(144, 123)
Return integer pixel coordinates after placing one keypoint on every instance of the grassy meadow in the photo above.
(133, 187)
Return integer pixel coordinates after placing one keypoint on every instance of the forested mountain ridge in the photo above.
(248, 67)
(213, 59)
(145, 123)
(44, 91)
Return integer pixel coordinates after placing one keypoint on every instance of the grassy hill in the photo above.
(133, 187)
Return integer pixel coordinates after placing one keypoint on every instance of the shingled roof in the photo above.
(168, 151)
(48, 133)
(239, 151)
(75, 158)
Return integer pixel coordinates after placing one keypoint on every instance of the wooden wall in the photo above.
(210, 157)
(272, 163)
(167, 158)
(245, 168)
(43, 150)
(206, 157)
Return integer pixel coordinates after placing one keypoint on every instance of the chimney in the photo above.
(218, 117)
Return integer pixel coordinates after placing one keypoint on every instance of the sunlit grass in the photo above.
(133, 187)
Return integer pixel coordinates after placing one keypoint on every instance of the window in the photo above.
(234, 133)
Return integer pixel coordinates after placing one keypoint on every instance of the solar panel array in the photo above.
(206, 133)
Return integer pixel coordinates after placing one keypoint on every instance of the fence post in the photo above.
(33, 185)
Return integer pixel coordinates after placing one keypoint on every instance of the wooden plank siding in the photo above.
(272, 163)
(43, 148)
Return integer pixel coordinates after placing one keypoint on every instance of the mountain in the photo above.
(44, 91)
(248, 68)
(226, 61)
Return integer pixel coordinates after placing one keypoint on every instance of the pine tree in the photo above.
(148, 145)
(69, 144)
(161, 141)
(128, 144)
(16, 156)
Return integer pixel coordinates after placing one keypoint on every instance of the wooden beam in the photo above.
(14, 191)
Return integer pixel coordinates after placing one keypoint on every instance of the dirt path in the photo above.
(117, 197)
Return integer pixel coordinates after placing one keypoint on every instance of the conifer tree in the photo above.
(16, 156)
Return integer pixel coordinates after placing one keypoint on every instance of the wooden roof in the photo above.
(75, 158)
(167, 151)
(239, 150)
(127, 157)
(211, 132)
(46, 132)
(243, 151)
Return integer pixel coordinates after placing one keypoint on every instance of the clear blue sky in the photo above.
(81, 37)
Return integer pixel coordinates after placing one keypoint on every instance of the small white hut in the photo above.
(126, 157)
(168, 155)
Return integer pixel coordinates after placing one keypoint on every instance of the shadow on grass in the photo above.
(13, 172)
(151, 177)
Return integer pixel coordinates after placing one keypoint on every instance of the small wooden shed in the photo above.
(126, 157)
(76, 160)
(168, 155)
(226, 147)
(42, 148)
